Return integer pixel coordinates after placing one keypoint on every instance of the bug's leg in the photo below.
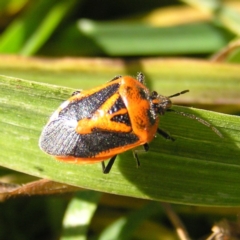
(146, 147)
(140, 77)
(75, 93)
(103, 166)
(115, 78)
(106, 169)
(135, 155)
(165, 134)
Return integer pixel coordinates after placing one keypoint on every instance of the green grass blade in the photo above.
(30, 31)
(198, 168)
(79, 214)
(137, 39)
(46, 27)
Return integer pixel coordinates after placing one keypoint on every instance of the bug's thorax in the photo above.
(137, 98)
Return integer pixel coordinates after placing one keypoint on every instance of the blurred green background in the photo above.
(121, 31)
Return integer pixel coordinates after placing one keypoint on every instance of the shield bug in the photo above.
(98, 124)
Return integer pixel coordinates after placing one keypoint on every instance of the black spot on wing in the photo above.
(86, 106)
(102, 141)
(119, 118)
(122, 118)
(118, 105)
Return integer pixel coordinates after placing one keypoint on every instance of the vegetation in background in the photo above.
(188, 44)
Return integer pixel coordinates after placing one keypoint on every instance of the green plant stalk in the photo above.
(209, 83)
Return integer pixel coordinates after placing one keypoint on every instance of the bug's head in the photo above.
(162, 103)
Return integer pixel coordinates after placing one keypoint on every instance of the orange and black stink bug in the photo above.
(98, 124)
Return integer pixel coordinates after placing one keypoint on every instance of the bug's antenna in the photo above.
(192, 116)
(177, 94)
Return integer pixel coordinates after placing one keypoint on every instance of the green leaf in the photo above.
(137, 39)
(79, 215)
(124, 39)
(198, 168)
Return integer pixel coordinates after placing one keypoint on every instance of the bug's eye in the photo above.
(168, 103)
(154, 95)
